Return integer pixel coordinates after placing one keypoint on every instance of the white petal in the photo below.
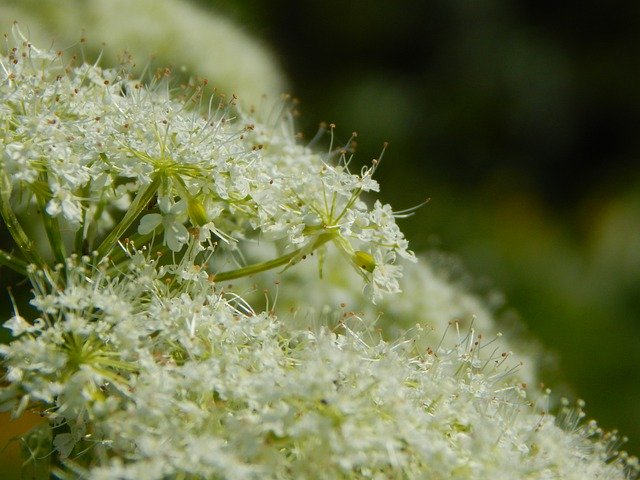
(149, 222)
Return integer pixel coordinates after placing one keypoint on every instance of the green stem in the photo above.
(52, 228)
(80, 242)
(13, 263)
(25, 245)
(135, 209)
(276, 262)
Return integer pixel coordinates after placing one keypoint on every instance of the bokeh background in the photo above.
(520, 120)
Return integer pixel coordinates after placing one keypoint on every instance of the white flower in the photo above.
(190, 382)
(148, 366)
(18, 325)
(172, 219)
(64, 203)
(102, 142)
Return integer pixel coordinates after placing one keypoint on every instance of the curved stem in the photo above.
(14, 263)
(25, 245)
(289, 258)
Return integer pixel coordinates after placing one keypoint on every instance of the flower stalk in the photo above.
(288, 259)
(25, 245)
(14, 263)
(137, 206)
(51, 227)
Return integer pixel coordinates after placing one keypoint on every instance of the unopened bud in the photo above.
(197, 213)
(364, 260)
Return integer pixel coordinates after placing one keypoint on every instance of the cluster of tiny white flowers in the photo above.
(83, 142)
(149, 378)
(147, 365)
(430, 301)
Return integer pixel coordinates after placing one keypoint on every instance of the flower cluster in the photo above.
(430, 299)
(85, 144)
(147, 364)
(147, 378)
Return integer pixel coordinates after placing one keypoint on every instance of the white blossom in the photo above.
(148, 365)
(181, 380)
(172, 218)
(98, 138)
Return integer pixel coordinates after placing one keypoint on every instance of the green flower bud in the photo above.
(197, 213)
(364, 260)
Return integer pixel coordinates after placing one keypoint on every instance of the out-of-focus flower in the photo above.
(174, 32)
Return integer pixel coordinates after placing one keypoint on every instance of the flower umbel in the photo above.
(147, 364)
(85, 143)
(134, 366)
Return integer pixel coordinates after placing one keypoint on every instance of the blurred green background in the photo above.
(521, 121)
